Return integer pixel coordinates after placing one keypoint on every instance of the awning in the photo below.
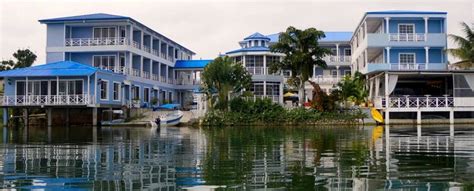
(63, 68)
(169, 106)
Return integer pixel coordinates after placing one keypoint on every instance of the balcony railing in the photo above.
(95, 41)
(407, 37)
(274, 98)
(146, 75)
(146, 48)
(136, 72)
(39, 100)
(155, 77)
(256, 70)
(344, 59)
(326, 79)
(417, 102)
(408, 66)
(187, 82)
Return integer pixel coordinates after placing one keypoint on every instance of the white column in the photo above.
(130, 64)
(418, 117)
(366, 59)
(388, 55)
(167, 73)
(264, 88)
(427, 56)
(142, 41)
(426, 27)
(88, 88)
(337, 52)
(151, 69)
(159, 73)
(365, 29)
(337, 72)
(131, 34)
(265, 65)
(95, 87)
(387, 25)
(141, 66)
(451, 116)
(281, 93)
(387, 115)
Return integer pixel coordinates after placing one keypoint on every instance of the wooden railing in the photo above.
(38, 100)
(95, 41)
(418, 102)
(407, 37)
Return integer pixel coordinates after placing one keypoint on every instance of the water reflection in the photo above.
(323, 158)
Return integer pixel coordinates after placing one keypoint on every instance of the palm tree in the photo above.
(223, 76)
(302, 53)
(465, 50)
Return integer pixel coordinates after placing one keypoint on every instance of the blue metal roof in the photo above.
(63, 68)
(95, 16)
(257, 36)
(405, 12)
(250, 49)
(330, 37)
(191, 63)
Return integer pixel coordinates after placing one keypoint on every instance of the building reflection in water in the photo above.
(253, 158)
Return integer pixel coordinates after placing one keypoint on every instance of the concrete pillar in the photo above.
(387, 104)
(427, 58)
(281, 93)
(387, 116)
(418, 117)
(265, 72)
(94, 116)
(264, 88)
(337, 53)
(5, 117)
(25, 116)
(426, 27)
(388, 55)
(141, 66)
(418, 130)
(387, 25)
(451, 130)
(49, 116)
(451, 117)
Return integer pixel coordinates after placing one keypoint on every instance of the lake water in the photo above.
(236, 158)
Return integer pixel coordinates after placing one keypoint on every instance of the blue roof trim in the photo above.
(191, 63)
(406, 12)
(250, 49)
(62, 68)
(257, 36)
(330, 37)
(96, 16)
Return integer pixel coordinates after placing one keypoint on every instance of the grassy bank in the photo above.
(265, 112)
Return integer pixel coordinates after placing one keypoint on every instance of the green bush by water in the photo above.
(265, 112)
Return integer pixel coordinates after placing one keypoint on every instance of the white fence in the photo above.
(38, 100)
(418, 102)
(407, 37)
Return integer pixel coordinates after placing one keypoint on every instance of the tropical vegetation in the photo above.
(222, 77)
(465, 50)
(24, 58)
(302, 53)
(352, 89)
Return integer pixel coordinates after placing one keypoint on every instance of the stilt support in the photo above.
(451, 117)
(94, 116)
(5, 117)
(49, 116)
(387, 117)
(418, 117)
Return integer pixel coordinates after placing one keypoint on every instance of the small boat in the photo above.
(172, 118)
(376, 115)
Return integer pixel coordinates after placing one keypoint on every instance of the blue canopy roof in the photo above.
(191, 63)
(330, 37)
(169, 106)
(250, 49)
(63, 68)
(257, 36)
(96, 16)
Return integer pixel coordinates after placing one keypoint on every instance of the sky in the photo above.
(209, 27)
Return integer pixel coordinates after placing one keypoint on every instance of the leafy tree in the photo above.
(223, 76)
(465, 51)
(352, 88)
(302, 53)
(24, 58)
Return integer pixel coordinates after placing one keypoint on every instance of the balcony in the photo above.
(371, 67)
(404, 40)
(136, 72)
(41, 100)
(337, 60)
(187, 82)
(95, 41)
(260, 71)
(326, 79)
(415, 102)
(146, 75)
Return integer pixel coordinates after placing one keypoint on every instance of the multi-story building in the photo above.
(104, 61)
(403, 55)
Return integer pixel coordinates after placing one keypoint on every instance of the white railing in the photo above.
(155, 77)
(38, 100)
(418, 102)
(146, 74)
(326, 79)
(274, 98)
(408, 66)
(136, 44)
(163, 55)
(163, 79)
(337, 59)
(95, 41)
(136, 72)
(146, 48)
(256, 70)
(407, 37)
(187, 82)
(155, 52)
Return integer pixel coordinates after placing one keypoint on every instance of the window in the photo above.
(170, 96)
(406, 58)
(257, 88)
(334, 73)
(406, 28)
(104, 32)
(104, 90)
(273, 88)
(347, 52)
(333, 51)
(135, 92)
(20, 88)
(146, 94)
(105, 62)
(116, 91)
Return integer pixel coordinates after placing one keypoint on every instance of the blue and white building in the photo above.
(103, 61)
(403, 55)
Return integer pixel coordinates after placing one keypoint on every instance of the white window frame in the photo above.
(106, 90)
(407, 24)
(108, 60)
(349, 50)
(347, 72)
(119, 91)
(108, 32)
(49, 85)
(406, 53)
(333, 73)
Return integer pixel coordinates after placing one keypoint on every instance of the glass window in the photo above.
(62, 87)
(53, 88)
(104, 90)
(257, 88)
(146, 94)
(20, 88)
(406, 28)
(79, 87)
(334, 73)
(407, 58)
(116, 91)
(71, 88)
(347, 52)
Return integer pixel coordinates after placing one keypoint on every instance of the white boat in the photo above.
(171, 119)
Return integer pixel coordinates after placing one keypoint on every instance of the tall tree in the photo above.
(303, 52)
(224, 76)
(465, 50)
(24, 58)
